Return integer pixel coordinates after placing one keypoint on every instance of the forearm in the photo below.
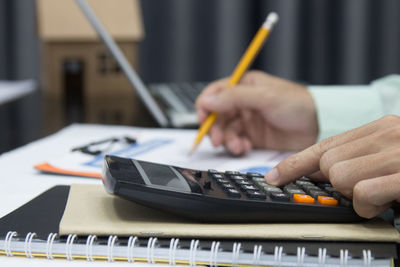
(341, 108)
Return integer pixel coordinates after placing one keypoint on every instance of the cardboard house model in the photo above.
(80, 80)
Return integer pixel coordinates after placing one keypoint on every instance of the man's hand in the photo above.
(262, 111)
(363, 164)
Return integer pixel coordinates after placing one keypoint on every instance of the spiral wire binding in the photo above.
(131, 245)
(367, 257)
(49, 245)
(110, 247)
(173, 245)
(7, 243)
(194, 244)
(170, 256)
(301, 253)
(28, 243)
(344, 256)
(150, 249)
(278, 255)
(89, 247)
(321, 256)
(235, 253)
(214, 253)
(257, 255)
(68, 246)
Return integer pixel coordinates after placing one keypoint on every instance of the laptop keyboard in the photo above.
(178, 96)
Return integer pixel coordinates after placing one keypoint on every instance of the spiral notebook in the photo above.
(33, 231)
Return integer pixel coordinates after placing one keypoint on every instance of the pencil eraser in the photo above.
(271, 20)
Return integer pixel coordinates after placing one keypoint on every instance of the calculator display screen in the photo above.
(162, 175)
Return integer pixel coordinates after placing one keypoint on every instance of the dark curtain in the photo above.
(315, 42)
(20, 120)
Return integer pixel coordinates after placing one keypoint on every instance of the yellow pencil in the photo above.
(244, 63)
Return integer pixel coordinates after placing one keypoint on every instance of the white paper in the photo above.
(167, 147)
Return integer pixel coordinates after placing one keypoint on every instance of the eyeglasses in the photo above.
(103, 146)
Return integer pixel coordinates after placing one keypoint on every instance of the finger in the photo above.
(217, 131)
(247, 145)
(307, 161)
(211, 90)
(344, 175)
(237, 97)
(201, 102)
(233, 141)
(352, 149)
(318, 176)
(373, 196)
(216, 135)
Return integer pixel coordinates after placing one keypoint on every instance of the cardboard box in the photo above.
(80, 80)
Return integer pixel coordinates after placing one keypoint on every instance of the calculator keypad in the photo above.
(253, 186)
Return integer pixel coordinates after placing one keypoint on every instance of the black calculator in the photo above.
(213, 196)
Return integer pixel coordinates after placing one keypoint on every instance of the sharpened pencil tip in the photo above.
(193, 148)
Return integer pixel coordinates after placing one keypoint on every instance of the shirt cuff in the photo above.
(341, 108)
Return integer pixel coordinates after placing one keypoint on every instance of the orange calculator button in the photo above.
(302, 198)
(330, 201)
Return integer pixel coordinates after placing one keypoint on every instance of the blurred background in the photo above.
(315, 42)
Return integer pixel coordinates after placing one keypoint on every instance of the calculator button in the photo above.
(233, 193)
(221, 181)
(292, 191)
(254, 175)
(227, 186)
(255, 194)
(345, 202)
(302, 198)
(330, 190)
(237, 177)
(291, 186)
(258, 179)
(308, 188)
(302, 183)
(217, 176)
(271, 188)
(262, 184)
(329, 201)
(317, 193)
(246, 187)
(304, 179)
(324, 185)
(230, 173)
(242, 182)
(212, 171)
(279, 196)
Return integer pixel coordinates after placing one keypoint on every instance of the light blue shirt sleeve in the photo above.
(341, 108)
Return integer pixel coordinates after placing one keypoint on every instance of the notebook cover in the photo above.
(41, 215)
(91, 210)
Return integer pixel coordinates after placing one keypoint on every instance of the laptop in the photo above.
(170, 104)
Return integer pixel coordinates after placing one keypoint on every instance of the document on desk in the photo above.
(166, 146)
